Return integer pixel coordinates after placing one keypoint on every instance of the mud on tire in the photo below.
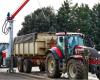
(52, 67)
(77, 70)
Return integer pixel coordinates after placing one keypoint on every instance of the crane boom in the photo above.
(18, 10)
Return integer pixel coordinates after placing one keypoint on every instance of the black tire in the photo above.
(27, 66)
(52, 63)
(76, 70)
(15, 62)
(42, 68)
(20, 64)
(98, 74)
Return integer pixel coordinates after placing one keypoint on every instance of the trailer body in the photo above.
(33, 47)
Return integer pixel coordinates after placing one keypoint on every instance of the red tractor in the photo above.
(75, 54)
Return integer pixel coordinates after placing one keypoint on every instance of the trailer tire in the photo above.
(27, 66)
(52, 67)
(76, 70)
(15, 61)
(42, 68)
(98, 74)
(20, 64)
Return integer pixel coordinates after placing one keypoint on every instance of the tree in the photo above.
(41, 20)
(71, 18)
(96, 24)
(63, 17)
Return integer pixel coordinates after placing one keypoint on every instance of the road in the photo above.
(4, 75)
(35, 75)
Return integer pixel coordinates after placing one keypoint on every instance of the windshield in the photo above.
(75, 40)
(79, 40)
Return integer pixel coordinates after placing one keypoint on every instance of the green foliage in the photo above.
(69, 18)
(63, 17)
(96, 24)
(42, 20)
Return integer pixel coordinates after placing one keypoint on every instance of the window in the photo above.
(61, 41)
(75, 40)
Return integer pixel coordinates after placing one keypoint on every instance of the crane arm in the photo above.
(18, 10)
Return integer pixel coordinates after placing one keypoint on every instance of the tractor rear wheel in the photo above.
(52, 67)
(76, 70)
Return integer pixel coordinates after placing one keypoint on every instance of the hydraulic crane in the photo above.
(10, 20)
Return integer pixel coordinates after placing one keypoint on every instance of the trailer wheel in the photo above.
(98, 74)
(76, 70)
(42, 68)
(15, 61)
(20, 65)
(52, 67)
(27, 66)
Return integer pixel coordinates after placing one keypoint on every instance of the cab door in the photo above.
(61, 43)
(71, 44)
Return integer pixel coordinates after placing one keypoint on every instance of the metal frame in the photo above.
(10, 29)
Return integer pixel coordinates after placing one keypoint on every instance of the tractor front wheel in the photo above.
(52, 67)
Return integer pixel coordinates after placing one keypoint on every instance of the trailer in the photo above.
(30, 49)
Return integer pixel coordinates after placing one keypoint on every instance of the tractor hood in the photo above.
(91, 52)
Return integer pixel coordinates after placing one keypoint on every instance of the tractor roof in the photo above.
(68, 33)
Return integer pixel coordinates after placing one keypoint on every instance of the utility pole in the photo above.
(11, 45)
(10, 20)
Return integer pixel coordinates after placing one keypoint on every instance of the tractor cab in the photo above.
(67, 42)
(75, 54)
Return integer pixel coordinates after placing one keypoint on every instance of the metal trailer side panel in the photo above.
(47, 38)
(33, 44)
(40, 48)
(16, 48)
(31, 48)
(26, 48)
(21, 48)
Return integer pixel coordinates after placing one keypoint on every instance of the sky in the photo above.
(11, 5)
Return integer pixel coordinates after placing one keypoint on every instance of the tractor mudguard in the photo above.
(56, 52)
(76, 57)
